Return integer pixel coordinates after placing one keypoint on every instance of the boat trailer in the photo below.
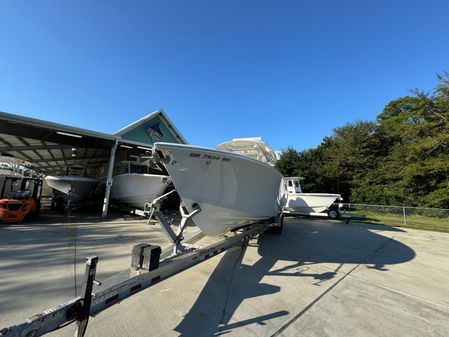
(149, 265)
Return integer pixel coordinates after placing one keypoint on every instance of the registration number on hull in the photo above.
(209, 158)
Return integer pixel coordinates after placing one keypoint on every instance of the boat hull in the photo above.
(82, 187)
(232, 190)
(133, 189)
(305, 203)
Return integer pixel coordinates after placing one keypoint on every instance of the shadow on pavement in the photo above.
(49, 252)
(304, 243)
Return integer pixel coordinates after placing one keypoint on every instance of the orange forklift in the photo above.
(20, 198)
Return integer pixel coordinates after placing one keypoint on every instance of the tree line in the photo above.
(402, 158)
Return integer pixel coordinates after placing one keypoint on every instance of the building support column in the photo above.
(109, 180)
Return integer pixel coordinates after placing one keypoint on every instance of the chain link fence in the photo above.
(412, 217)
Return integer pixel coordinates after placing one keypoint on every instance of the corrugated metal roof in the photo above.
(52, 147)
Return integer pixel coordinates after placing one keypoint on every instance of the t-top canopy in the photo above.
(251, 147)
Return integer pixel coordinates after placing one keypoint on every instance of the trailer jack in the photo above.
(83, 310)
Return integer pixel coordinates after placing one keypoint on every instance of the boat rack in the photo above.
(149, 265)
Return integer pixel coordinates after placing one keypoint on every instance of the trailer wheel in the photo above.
(333, 214)
(280, 224)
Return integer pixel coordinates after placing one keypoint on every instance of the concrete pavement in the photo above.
(319, 278)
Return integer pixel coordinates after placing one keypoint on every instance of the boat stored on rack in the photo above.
(79, 189)
(138, 184)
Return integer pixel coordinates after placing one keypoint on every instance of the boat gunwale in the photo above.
(141, 174)
(202, 148)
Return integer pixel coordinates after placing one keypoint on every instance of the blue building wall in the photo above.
(151, 132)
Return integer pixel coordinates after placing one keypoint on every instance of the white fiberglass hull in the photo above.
(305, 203)
(134, 189)
(232, 190)
(81, 187)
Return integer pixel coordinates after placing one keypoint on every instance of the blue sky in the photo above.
(289, 71)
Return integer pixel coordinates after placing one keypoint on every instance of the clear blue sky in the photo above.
(289, 71)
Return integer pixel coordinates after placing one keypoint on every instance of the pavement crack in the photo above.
(228, 287)
(328, 290)
(417, 298)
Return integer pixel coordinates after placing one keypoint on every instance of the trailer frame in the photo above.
(145, 271)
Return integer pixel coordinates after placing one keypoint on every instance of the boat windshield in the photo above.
(293, 185)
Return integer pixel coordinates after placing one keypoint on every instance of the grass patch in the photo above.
(412, 221)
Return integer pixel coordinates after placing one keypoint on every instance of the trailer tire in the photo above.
(333, 214)
(280, 224)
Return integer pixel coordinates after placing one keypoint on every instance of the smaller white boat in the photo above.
(137, 186)
(309, 203)
(81, 188)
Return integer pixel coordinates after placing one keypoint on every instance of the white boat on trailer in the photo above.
(318, 204)
(149, 266)
(225, 190)
(220, 191)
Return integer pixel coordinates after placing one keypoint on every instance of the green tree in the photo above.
(402, 158)
(288, 162)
